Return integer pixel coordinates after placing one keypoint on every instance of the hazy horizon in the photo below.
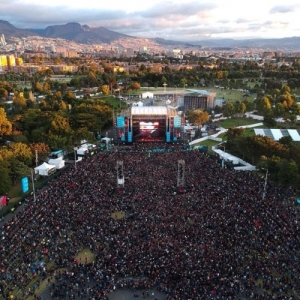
(181, 20)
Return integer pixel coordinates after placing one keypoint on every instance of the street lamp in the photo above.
(223, 147)
(33, 187)
(265, 184)
(75, 156)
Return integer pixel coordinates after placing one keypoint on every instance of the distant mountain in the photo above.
(80, 33)
(11, 31)
(84, 34)
(290, 43)
(162, 42)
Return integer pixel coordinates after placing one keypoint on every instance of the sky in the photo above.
(181, 20)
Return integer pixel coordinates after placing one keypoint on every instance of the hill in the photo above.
(11, 31)
(87, 35)
(80, 33)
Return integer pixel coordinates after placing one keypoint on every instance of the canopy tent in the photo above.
(106, 139)
(59, 163)
(3, 200)
(45, 169)
(147, 95)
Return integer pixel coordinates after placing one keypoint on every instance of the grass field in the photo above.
(115, 102)
(235, 122)
(208, 143)
(232, 122)
(230, 95)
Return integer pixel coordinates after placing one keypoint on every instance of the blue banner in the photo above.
(25, 184)
(120, 121)
(129, 136)
(177, 122)
(168, 137)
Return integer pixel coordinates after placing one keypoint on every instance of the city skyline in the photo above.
(181, 20)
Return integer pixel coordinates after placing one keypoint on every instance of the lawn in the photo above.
(208, 143)
(115, 102)
(229, 95)
(235, 122)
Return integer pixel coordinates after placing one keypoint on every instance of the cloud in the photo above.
(283, 9)
(176, 19)
(243, 21)
(169, 9)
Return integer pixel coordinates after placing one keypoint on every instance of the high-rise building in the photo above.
(11, 61)
(2, 40)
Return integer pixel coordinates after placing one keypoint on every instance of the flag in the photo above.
(3, 201)
(256, 223)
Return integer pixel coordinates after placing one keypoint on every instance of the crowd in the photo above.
(217, 240)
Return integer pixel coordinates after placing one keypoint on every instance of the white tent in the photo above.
(106, 139)
(45, 169)
(82, 151)
(59, 163)
(147, 95)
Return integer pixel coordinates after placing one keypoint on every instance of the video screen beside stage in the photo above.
(149, 130)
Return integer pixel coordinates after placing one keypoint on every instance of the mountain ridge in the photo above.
(84, 34)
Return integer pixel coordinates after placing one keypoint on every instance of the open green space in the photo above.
(115, 102)
(236, 121)
(230, 95)
(208, 143)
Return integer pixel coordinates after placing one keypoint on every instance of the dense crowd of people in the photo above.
(219, 239)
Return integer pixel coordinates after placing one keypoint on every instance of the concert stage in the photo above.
(149, 124)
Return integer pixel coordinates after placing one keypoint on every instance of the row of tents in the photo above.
(53, 164)
(47, 169)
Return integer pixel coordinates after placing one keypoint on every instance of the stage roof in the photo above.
(200, 92)
(149, 110)
(277, 134)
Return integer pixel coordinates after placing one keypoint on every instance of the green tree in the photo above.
(279, 110)
(263, 105)
(229, 109)
(269, 121)
(288, 174)
(286, 140)
(234, 132)
(240, 108)
(69, 97)
(197, 117)
(17, 169)
(5, 182)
